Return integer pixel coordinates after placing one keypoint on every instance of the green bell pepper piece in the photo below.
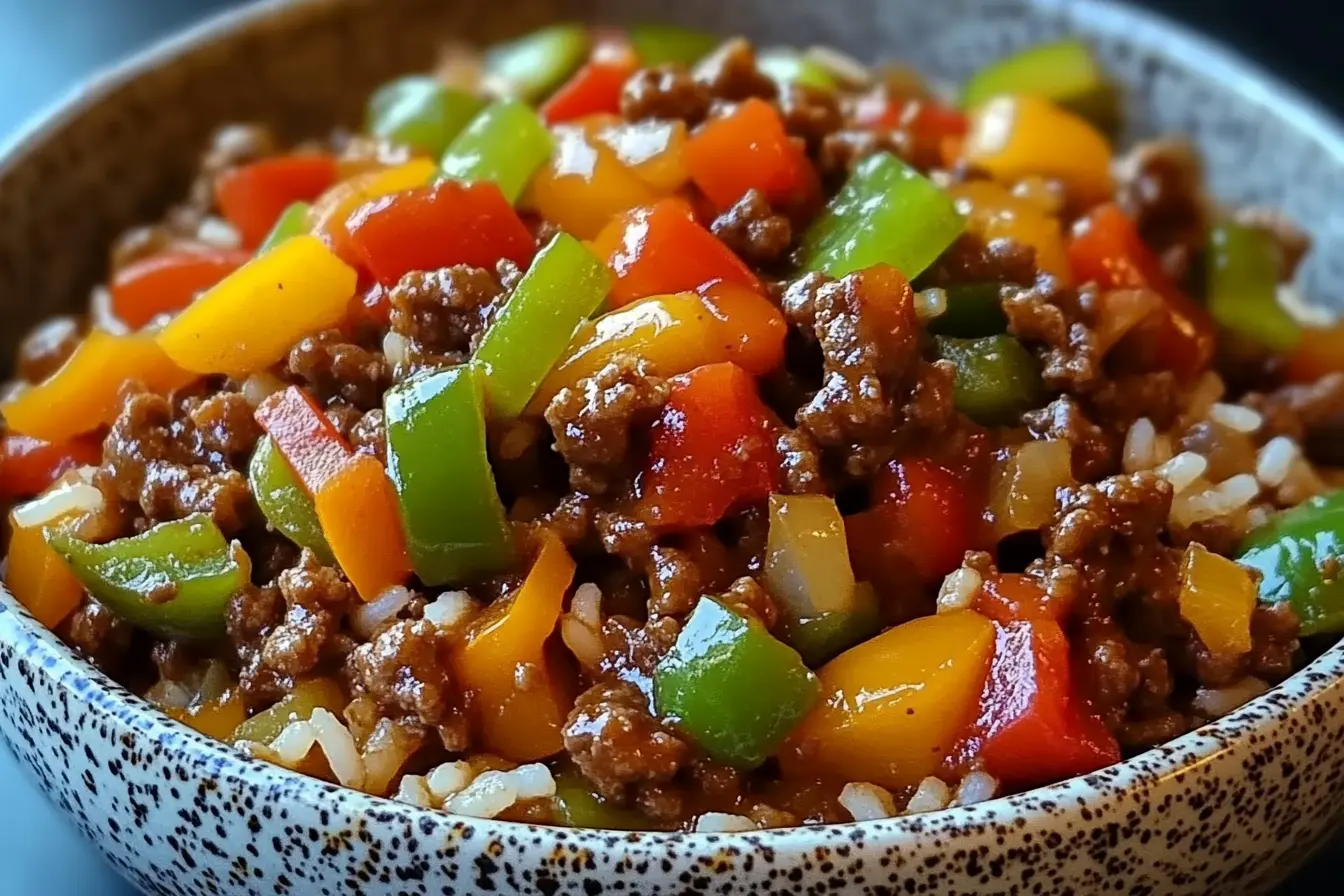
(535, 64)
(283, 501)
(997, 379)
(1298, 555)
(828, 634)
(1064, 72)
(670, 44)
(887, 212)
(564, 286)
(787, 66)
(973, 309)
(505, 144)
(731, 686)
(436, 457)
(1242, 280)
(293, 221)
(174, 580)
(420, 112)
(578, 807)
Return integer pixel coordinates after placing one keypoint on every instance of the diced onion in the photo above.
(846, 68)
(976, 787)
(723, 823)
(959, 590)
(449, 778)
(413, 792)
(931, 795)
(68, 498)
(490, 794)
(366, 619)
(1214, 703)
(294, 742)
(867, 802)
(339, 746)
(218, 233)
(450, 610)
(259, 386)
(534, 781)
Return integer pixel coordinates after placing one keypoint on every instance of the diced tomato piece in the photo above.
(920, 519)
(712, 449)
(749, 149)
(307, 439)
(167, 282)
(595, 89)
(438, 226)
(253, 196)
(29, 466)
(661, 249)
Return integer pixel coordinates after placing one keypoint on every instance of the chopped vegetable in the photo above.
(296, 706)
(304, 435)
(653, 149)
(504, 145)
(520, 717)
(994, 213)
(1063, 72)
(252, 197)
(533, 65)
(785, 65)
(1319, 351)
(997, 379)
(331, 210)
(564, 286)
(711, 449)
(1296, 555)
(167, 282)
(293, 221)
(1242, 285)
(217, 718)
(973, 309)
(662, 249)
(1023, 485)
(436, 227)
(1217, 599)
(919, 523)
(595, 89)
(421, 112)
(657, 45)
(174, 580)
(250, 320)
(284, 502)
(1013, 597)
(886, 213)
(710, 686)
(29, 466)
(436, 456)
(891, 708)
(1024, 136)
(360, 520)
(87, 391)
(935, 132)
(38, 577)
(749, 149)
(577, 806)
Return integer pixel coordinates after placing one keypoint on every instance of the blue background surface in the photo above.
(47, 46)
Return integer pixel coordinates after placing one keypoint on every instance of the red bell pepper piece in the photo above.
(749, 149)
(1032, 729)
(662, 249)
(306, 438)
(167, 282)
(29, 466)
(253, 196)
(1012, 597)
(1106, 248)
(438, 226)
(920, 521)
(712, 449)
(595, 89)
(937, 131)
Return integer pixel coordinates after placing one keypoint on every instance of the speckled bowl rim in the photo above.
(77, 677)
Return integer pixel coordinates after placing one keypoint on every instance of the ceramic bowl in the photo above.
(1231, 808)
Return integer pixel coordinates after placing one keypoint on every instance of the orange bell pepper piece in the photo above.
(213, 718)
(1318, 352)
(993, 213)
(1013, 137)
(361, 519)
(521, 715)
(29, 466)
(38, 577)
(892, 708)
(662, 249)
(87, 391)
(1217, 599)
(253, 196)
(167, 282)
(250, 320)
(749, 149)
(654, 149)
(329, 212)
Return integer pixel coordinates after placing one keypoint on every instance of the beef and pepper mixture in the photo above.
(638, 430)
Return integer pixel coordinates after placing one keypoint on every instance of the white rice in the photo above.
(1275, 460)
(1183, 470)
(1225, 498)
(71, 497)
(367, 619)
(976, 787)
(581, 627)
(339, 746)
(395, 348)
(1257, 516)
(931, 795)
(723, 823)
(413, 791)
(450, 609)
(449, 778)
(485, 797)
(534, 782)
(489, 793)
(1235, 417)
(293, 743)
(930, 303)
(959, 590)
(1139, 446)
(1217, 702)
(867, 802)
(260, 386)
(218, 233)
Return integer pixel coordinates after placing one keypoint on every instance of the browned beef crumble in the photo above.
(667, 92)
(841, 151)
(99, 634)
(730, 73)
(809, 113)
(753, 230)
(615, 741)
(231, 146)
(1160, 187)
(1048, 316)
(139, 243)
(675, 583)
(972, 260)
(405, 670)
(333, 368)
(1296, 410)
(1095, 453)
(800, 463)
(444, 313)
(369, 435)
(46, 347)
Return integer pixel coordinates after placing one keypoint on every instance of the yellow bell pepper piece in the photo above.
(334, 206)
(584, 183)
(518, 696)
(214, 718)
(992, 212)
(654, 149)
(1217, 599)
(892, 708)
(251, 318)
(38, 578)
(87, 391)
(1013, 137)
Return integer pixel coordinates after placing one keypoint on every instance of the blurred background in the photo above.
(48, 46)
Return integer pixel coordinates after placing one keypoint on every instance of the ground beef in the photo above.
(405, 670)
(1296, 410)
(174, 660)
(226, 425)
(675, 584)
(594, 420)
(444, 313)
(666, 92)
(615, 741)
(841, 151)
(972, 260)
(1159, 186)
(369, 435)
(1275, 629)
(730, 73)
(752, 230)
(1121, 399)
(1294, 242)
(98, 634)
(1048, 316)
(809, 113)
(46, 347)
(634, 649)
(1090, 516)
(333, 368)
(750, 599)
(800, 463)
(171, 468)
(1095, 453)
